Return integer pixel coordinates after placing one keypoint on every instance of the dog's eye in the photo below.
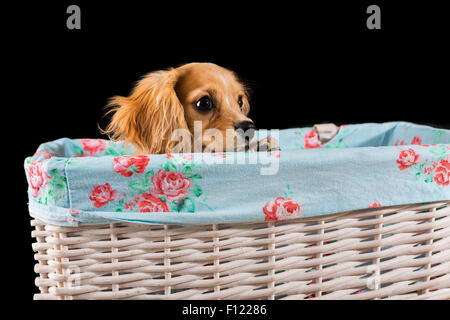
(240, 102)
(204, 104)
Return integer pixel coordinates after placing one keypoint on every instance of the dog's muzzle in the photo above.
(245, 129)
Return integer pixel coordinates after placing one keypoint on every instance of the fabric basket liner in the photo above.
(93, 181)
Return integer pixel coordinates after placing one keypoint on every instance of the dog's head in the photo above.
(165, 107)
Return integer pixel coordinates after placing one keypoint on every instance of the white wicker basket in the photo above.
(383, 253)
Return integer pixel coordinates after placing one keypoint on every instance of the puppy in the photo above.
(197, 107)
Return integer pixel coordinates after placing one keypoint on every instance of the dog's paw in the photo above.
(268, 144)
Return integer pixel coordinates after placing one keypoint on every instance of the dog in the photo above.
(165, 108)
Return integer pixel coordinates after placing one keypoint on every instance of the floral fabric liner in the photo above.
(93, 181)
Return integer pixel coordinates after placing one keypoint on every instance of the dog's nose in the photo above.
(247, 127)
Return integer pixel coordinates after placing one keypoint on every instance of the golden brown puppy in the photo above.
(184, 99)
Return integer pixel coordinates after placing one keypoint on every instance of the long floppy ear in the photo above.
(149, 115)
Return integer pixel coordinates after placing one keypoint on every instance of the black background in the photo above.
(307, 63)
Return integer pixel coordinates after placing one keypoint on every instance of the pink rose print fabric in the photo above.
(102, 194)
(281, 209)
(127, 165)
(416, 140)
(442, 173)
(359, 168)
(407, 158)
(93, 146)
(44, 154)
(311, 140)
(38, 178)
(149, 203)
(431, 169)
(376, 205)
(173, 185)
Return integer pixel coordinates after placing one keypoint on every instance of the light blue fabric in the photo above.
(92, 181)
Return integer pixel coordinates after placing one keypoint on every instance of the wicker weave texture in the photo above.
(382, 253)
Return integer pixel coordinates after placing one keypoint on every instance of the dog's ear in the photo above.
(149, 115)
